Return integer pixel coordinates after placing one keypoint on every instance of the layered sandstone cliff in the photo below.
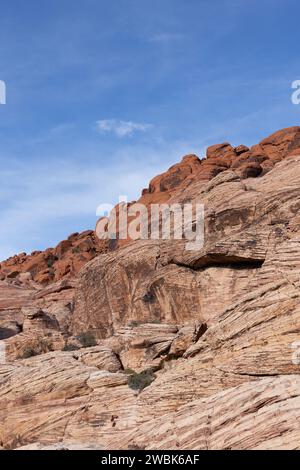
(153, 346)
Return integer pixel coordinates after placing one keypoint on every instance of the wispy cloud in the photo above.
(121, 128)
(52, 133)
(43, 203)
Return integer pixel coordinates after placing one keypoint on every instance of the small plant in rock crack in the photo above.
(139, 381)
(70, 347)
(133, 324)
(87, 339)
(28, 352)
(40, 347)
(128, 371)
(51, 260)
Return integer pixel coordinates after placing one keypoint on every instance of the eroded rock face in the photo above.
(12, 299)
(161, 280)
(269, 407)
(194, 349)
(35, 320)
(134, 286)
(53, 264)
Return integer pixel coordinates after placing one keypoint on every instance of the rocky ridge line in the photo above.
(66, 260)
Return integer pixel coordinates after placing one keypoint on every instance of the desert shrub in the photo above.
(70, 347)
(87, 339)
(39, 347)
(28, 352)
(128, 371)
(51, 260)
(149, 297)
(142, 380)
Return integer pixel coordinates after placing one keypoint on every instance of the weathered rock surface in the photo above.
(35, 320)
(12, 298)
(261, 415)
(245, 224)
(53, 264)
(195, 349)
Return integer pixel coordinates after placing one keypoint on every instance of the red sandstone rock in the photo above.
(174, 177)
(250, 170)
(53, 264)
(219, 150)
(241, 149)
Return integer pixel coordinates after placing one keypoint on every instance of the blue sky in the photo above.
(103, 95)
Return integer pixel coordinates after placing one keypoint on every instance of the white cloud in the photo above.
(42, 203)
(121, 128)
(49, 194)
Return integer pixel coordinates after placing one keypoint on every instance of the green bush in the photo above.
(70, 347)
(51, 260)
(87, 339)
(41, 346)
(28, 352)
(128, 371)
(142, 380)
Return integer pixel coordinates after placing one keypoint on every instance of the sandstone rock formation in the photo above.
(222, 157)
(183, 349)
(53, 264)
(72, 254)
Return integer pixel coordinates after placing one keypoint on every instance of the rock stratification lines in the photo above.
(151, 346)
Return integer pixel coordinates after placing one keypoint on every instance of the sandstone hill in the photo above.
(150, 346)
(53, 264)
